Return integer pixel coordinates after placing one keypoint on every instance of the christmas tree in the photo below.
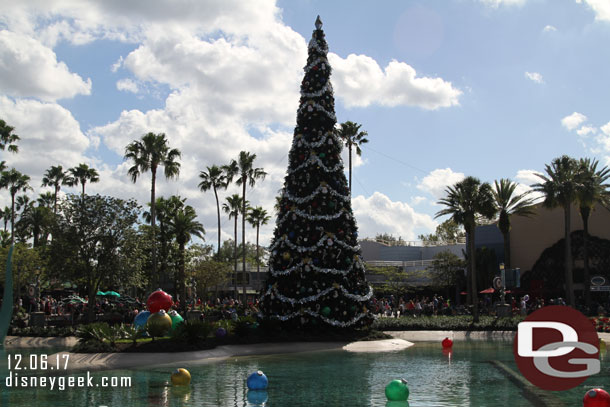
(316, 274)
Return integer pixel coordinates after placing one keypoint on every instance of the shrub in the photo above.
(447, 323)
(193, 331)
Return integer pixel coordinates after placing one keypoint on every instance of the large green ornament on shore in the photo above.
(159, 324)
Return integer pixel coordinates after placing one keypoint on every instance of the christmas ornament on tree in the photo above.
(316, 274)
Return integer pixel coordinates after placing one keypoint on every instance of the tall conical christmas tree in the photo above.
(316, 274)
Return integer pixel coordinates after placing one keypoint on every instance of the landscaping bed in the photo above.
(447, 323)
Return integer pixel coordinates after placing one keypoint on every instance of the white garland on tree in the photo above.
(314, 44)
(320, 189)
(323, 240)
(317, 296)
(323, 140)
(317, 106)
(329, 321)
(314, 159)
(356, 264)
(328, 87)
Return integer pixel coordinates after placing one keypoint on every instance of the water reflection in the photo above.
(435, 378)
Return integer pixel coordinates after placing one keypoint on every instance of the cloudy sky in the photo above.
(445, 89)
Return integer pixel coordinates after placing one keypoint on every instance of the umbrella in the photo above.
(112, 293)
(100, 293)
(464, 293)
(487, 291)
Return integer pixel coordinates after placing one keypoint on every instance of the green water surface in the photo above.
(332, 378)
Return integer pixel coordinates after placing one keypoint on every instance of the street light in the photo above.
(503, 278)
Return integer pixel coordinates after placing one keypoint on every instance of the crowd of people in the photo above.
(68, 310)
(396, 306)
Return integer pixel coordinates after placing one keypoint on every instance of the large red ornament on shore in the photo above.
(596, 398)
(159, 300)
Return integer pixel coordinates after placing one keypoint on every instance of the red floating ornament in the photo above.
(447, 343)
(596, 398)
(159, 300)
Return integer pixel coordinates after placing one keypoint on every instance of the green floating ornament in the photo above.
(326, 311)
(397, 390)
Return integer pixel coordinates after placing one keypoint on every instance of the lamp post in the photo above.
(37, 289)
(503, 277)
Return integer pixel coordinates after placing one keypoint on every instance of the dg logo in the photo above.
(556, 348)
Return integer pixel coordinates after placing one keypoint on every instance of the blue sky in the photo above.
(447, 88)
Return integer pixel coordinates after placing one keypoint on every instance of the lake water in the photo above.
(331, 378)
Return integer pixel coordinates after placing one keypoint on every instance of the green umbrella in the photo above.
(112, 293)
(100, 293)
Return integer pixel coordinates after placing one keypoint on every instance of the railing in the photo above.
(415, 243)
(410, 263)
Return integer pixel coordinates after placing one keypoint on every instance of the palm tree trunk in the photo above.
(585, 212)
(218, 214)
(468, 270)
(258, 264)
(83, 187)
(243, 240)
(55, 203)
(235, 259)
(12, 219)
(350, 168)
(568, 257)
(473, 274)
(182, 277)
(152, 224)
(506, 250)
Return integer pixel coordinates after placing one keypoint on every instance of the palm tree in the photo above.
(46, 199)
(15, 182)
(509, 203)
(165, 210)
(6, 216)
(246, 174)
(214, 178)
(56, 177)
(233, 207)
(257, 217)
(7, 138)
(35, 223)
(148, 153)
(350, 133)
(590, 190)
(184, 225)
(559, 188)
(23, 203)
(465, 202)
(82, 174)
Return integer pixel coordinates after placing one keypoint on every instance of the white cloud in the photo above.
(127, 85)
(527, 177)
(573, 121)
(601, 8)
(117, 65)
(29, 69)
(534, 76)
(498, 3)
(360, 81)
(416, 200)
(606, 129)
(586, 130)
(549, 28)
(379, 214)
(230, 67)
(49, 136)
(438, 180)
